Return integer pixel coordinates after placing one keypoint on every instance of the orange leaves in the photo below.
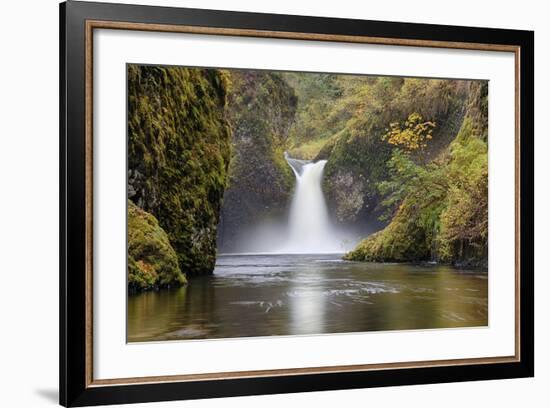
(412, 135)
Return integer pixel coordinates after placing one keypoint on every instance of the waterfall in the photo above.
(310, 229)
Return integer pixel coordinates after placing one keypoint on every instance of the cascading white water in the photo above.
(310, 229)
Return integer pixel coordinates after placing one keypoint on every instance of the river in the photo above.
(267, 295)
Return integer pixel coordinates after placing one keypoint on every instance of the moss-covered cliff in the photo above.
(178, 155)
(261, 109)
(440, 207)
(342, 118)
(152, 262)
(357, 155)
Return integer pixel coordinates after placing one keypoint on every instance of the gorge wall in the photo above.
(357, 155)
(261, 109)
(440, 210)
(179, 147)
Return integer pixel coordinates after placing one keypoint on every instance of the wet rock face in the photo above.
(355, 167)
(138, 191)
(348, 195)
(179, 145)
(261, 111)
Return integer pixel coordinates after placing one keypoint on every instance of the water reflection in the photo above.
(306, 300)
(265, 295)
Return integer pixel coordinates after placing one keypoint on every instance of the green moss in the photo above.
(404, 239)
(309, 150)
(442, 206)
(464, 221)
(261, 108)
(152, 262)
(178, 155)
(357, 111)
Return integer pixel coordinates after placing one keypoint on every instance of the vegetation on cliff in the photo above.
(261, 108)
(438, 209)
(378, 134)
(152, 262)
(179, 144)
(343, 118)
(359, 155)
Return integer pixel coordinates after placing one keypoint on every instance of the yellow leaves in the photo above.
(412, 135)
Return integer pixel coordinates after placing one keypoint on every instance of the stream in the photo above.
(298, 294)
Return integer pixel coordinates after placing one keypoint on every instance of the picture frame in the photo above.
(79, 21)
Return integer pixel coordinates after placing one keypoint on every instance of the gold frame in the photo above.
(100, 24)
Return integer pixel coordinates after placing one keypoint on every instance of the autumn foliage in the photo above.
(412, 135)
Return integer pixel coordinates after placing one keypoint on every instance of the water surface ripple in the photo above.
(267, 295)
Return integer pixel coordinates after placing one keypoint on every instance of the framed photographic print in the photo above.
(255, 203)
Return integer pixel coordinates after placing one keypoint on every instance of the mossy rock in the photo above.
(261, 109)
(152, 262)
(357, 155)
(403, 240)
(179, 147)
(444, 215)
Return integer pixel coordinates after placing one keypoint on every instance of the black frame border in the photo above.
(72, 125)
